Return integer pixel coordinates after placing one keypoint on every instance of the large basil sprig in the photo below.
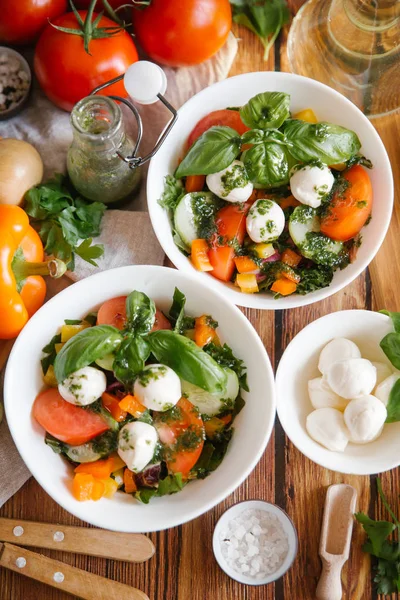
(140, 313)
(266, 111)
(213, 151)
(267, 164)
(189, 361)
(85, 348)
(328, 143)
(131, 358)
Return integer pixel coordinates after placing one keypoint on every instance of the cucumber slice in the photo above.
(213, 404)
(304, 229)
(83, 453)
(187, 215)
(106, 362)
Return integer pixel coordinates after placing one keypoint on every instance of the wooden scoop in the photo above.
(334, 547)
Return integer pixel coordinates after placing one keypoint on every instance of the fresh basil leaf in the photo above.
(172, 194)
(84, 348)
(393, 406)
(258, 136)
(189, 361)
(169, 485)
(89, 251)
(130, 358)
(377, 531)
(395, 316)
(390, 344)
(268, 110)
(224, 356)
(267, 164)
(50, 350)
(177, 313)
(140, 312)
(325, 142)
(213, 151)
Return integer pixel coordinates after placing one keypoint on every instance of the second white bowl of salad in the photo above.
(147, 398)
(273, 187)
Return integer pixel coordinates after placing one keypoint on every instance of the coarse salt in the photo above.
(14, 82)
(254, 543)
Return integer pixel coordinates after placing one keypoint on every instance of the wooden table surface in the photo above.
(183, 567)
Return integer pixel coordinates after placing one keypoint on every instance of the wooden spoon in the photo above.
(334, 547)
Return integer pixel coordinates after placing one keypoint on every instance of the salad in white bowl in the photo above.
(269, 194)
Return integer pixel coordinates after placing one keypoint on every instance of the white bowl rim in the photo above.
(280, 374)
(37, 471)
(283, 517)
(250, 300)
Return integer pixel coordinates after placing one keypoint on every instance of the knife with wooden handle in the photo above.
(129, 547)
(64, 577)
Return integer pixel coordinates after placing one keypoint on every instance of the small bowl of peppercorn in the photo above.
(15, 82)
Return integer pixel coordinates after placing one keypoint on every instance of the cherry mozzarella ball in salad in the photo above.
(137, 400)
(268, 199)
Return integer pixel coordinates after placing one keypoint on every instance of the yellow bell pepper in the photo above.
(247, 283)
(306, 115)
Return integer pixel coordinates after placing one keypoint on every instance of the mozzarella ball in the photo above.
(136, 445)
(364, 418)
(382, 372)
(321, 395)
(337, 349)
(84, 386)
(382, 391)
(158, 387)
(326, 426)
(310, 184)
(265, 221)
(231, 184)
(351, 378)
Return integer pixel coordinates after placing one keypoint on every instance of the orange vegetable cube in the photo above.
(110, 487)
(290, 257)
(199, 255)
(247, 283)
(306, 115)
(213, 427)
(111, 403)
(101, 469)
(86, 487)
(117, 461)
(204, 333)
(289, 201)
(245, 264)
(129, 481)
(195, 183)
(132, 406)
(284, 287)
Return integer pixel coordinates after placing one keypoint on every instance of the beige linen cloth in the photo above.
(48, 129)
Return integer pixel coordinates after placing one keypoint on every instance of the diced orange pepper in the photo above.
(195, 183)
(132, 406)
(199, 255)
(203, 332)
(86, 487)
(290, 257)
(291, 275)
(247, 283)
(245, 264)
(226, 419)
(306, 115)
(289, 201)
(213, 427)
(110, 487)
(101, 469)
(284, 287)
(111, 403)
(129, 481)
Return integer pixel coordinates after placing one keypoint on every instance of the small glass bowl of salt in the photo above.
(255, 542)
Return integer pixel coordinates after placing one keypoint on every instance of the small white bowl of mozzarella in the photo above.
(333, 385)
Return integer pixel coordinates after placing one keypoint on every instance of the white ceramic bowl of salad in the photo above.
(123, 512)
(299, 364)
(329, 106)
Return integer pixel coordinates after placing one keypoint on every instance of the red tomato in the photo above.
(64, 421)
(231, 224)
(228, 118)
(173, 430)
(22, 22)
(113, 312)
(178, 33)
(67, 73)
(351, 208)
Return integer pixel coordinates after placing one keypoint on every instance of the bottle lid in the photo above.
(144, 80)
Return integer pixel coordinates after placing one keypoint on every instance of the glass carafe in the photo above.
(93, 162)
(352, 46)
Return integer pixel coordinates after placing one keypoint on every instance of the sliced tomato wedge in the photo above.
(183, 435)
(350, 209)
(64, 421)
(226, 117)
(113, 312)
(231, 225)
